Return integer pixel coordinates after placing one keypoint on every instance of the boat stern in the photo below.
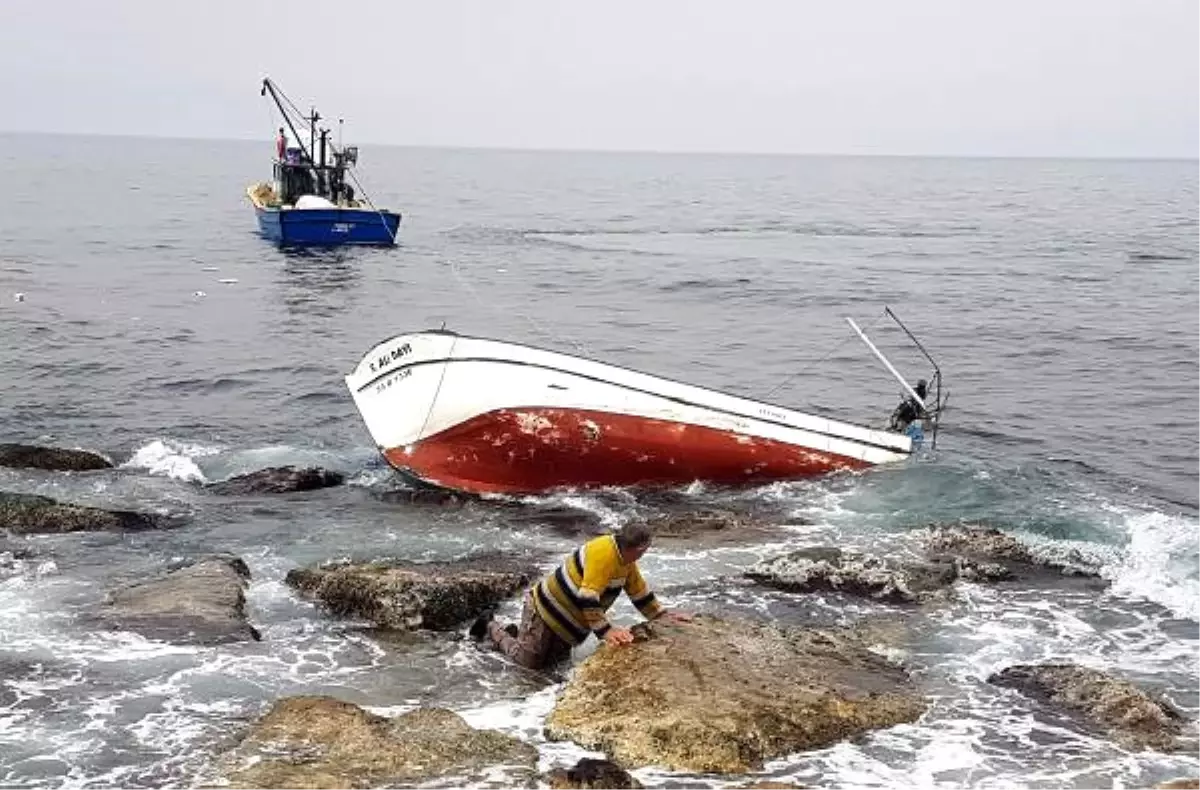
(266, 211)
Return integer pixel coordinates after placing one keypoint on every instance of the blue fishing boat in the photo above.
(311, 200)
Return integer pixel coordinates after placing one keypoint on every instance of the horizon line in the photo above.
(655, 151)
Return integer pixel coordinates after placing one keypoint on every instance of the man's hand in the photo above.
(615, 637)
(671, 616)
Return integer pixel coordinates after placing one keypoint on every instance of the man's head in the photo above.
(281, 131)
(921, 388)
(632, 541)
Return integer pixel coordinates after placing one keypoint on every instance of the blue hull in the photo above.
(328, 227)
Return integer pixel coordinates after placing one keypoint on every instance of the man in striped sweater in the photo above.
(570, 602)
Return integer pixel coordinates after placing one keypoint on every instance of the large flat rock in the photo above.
(201, 603)
(24, 514)
(54, 459)
(725, 696)
(1115, 706)
(322, 742)
(407, 595)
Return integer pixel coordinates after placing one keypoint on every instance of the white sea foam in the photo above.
(1160, 562)
(609, 516)
(171, 458)
(521, 718)
(368, 478)
(32, 568)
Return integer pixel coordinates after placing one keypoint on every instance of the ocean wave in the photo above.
(204, 386)
(1160, 562)
(1143, 257)
(193, 462)
(171, 458)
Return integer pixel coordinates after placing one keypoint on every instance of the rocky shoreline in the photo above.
(720, 695)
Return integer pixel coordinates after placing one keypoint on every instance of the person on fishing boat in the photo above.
(281, 145)
(570, 602)
(909, 409)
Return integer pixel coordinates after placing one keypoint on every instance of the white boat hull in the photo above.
(484, 416)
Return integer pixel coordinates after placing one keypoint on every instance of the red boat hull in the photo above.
(520, 451)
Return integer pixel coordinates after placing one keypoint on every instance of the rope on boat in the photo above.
(537, 328)
(271, 121)
(382, 218)
(438, 391)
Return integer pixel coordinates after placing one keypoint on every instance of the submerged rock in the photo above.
(54, 459)
(31, 514)
(407, 595)
(563, 519)
(590, 773)
(710, 527)
(706, 527)
(442, 497)
(988, 544)
(831, 569)
(278, 480)
(974, 554)
(724, 695)
(200, 603)
(1116, 706)
(319, 742)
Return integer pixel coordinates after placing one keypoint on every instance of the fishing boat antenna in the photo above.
(313, 117)
(940, 402)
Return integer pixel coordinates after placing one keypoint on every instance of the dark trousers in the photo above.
(536, 645)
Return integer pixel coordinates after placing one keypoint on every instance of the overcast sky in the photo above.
(956, 77)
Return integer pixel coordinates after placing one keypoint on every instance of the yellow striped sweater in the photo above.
(574, 597)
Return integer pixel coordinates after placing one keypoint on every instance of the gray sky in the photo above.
(957, 77)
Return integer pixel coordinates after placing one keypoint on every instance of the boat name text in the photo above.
(386, 359)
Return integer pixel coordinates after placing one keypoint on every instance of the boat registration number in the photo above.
(399, 375)
(343, 227)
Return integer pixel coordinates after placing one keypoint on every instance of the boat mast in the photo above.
(887, 364)
(269, 87)
(313, 117)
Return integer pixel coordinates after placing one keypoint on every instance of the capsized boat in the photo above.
(310, 201)
(486, 416)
